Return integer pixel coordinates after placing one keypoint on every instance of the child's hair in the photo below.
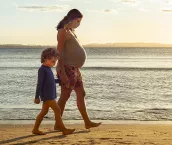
(48, 53)
(71, 15)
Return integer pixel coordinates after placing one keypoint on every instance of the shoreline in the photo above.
(79, 122)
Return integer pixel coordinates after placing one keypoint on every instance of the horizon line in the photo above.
(94, 43)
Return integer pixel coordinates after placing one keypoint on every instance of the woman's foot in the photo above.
(67, 131)
(92, 124)
(37, 132)
(57, 128)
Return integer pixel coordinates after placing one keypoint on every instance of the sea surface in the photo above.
(120, 83)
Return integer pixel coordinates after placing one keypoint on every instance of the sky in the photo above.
(33, 22)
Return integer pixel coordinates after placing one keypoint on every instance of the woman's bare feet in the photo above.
(64, 131)
(67, 131)
(57, 128)
(37, 132)
(92, 124)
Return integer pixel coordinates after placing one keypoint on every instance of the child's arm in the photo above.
(40, 81)
(58, 81)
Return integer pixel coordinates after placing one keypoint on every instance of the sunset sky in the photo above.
(105, 21)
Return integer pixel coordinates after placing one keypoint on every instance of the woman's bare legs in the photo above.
(65, 94)
(80, 93)
(39, 119)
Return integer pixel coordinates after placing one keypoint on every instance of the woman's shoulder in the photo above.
(62, 30)
(63, 33)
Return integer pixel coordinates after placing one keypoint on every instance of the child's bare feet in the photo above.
(92, 124)
(67, 131)
(37, 132)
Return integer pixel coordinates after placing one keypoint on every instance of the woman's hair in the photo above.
(48, 53)
(71, 15)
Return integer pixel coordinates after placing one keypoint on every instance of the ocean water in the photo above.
(120, 84)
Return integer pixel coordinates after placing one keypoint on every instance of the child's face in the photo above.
(50, 62)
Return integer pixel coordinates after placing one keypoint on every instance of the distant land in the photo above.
(137, 44)
(23, 46)
(95, 45)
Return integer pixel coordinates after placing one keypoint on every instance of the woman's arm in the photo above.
(61, 37)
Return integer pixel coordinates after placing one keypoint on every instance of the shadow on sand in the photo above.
(35, 141)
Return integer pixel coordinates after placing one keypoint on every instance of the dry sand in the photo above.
(106, 134)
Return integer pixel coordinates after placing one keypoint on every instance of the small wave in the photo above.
(16, 119)
(160, 109)
(96, 68)
(155, 109)
(129, 58)
(125, 68)
(102, 110)
(20, 108)
(16, 67)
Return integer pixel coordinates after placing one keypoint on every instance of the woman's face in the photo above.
(75, 23)
(79, 20)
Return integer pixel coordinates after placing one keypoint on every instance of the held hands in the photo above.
(64, 78)
(37, 101)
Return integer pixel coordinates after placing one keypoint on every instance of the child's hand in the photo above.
(37, 101)
(64, 78)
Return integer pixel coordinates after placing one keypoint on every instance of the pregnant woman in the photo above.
(71, 58)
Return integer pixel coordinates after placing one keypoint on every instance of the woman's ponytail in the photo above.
(72, 14)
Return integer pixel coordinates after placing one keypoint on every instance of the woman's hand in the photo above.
(37, 101)
(64, 78)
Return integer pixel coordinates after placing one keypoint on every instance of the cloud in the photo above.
(88, 1)
(123, 4)
(124, 1)
(85, 1)
(170, 10)
(128, 1)
(144, 10)
(66, 0)
(108, 11)
(44, 8)
(104, 11)
(168, 1)
(143, 5)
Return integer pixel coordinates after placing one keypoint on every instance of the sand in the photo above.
(106, 134)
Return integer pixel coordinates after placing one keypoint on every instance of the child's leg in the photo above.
(57, 112)
(44, 111)
(65, 94)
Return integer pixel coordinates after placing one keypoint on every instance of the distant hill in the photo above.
(128, 45)
(24, 46)
(95, 45)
